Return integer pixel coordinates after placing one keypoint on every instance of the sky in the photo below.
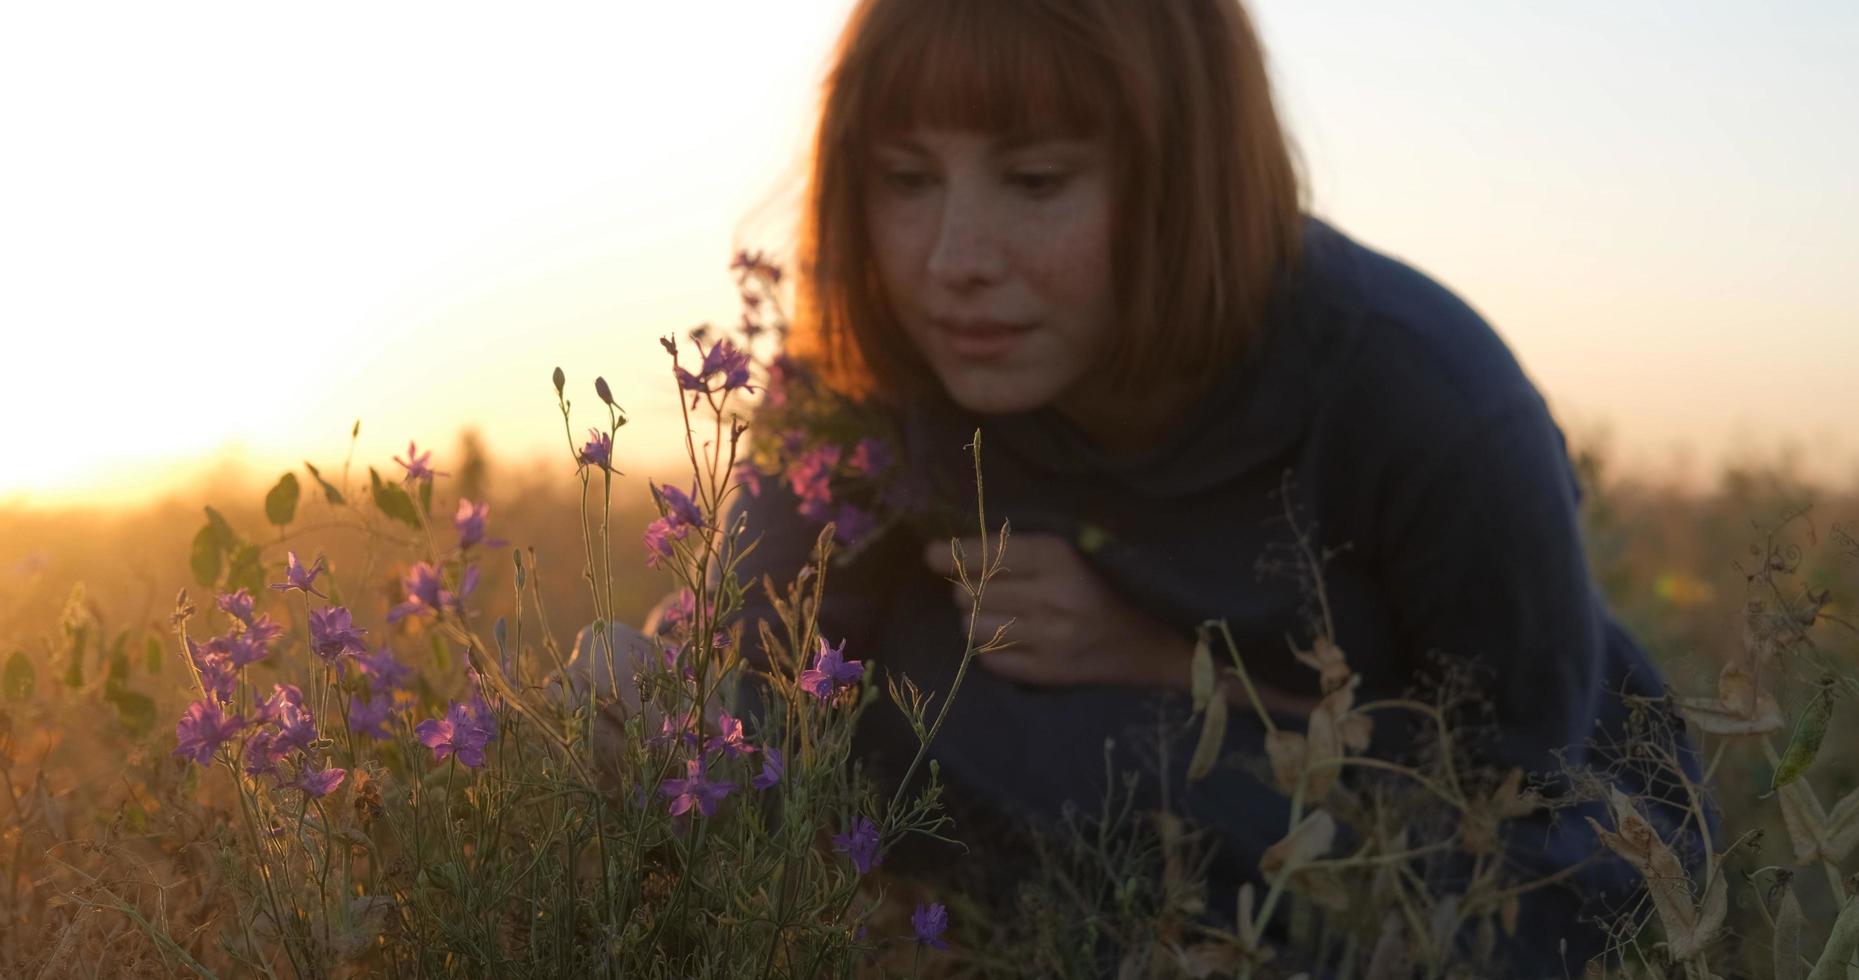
(228, 231)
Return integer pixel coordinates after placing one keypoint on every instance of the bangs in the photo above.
(992, 66)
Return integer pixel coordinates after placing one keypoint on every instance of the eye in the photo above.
(1039, 183)
(906, 181)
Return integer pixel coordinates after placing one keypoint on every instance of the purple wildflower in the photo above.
(658, 538)
(697, 790)
(385, 674)
(598, 451)
(752, 263)
(726, 363)
(416, 464)
(368, 716)
(810, 476)
(333, 633)
(470, 524)
(782, 371)
(860, 844)
(730, 739)
(851, 524)
(239, 649)
(300, 578)
(930, 922)
(262, 753)
(427, 594)
(273, 706)
(465, 730)
(238, 605)
(318, 783)
(773, 767)
(296, 726)
(217, 672)
(678, 613)
(262, 630)
(680, 509)
(203, 728)
(830, 670)
(870, 457)
(668, 732)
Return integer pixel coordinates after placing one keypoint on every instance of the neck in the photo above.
(1126, 424)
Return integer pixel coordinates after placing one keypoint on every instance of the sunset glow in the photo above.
(229, 232)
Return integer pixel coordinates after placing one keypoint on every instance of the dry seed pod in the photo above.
(1840, 830)
(1213, 736)
(1741, 706)
(1286, 751)
(1688, 928)
(1788, 964)
(1202, 671)
(1326, 658)
(1308, 841)
(1842, 943)
(1804, 820)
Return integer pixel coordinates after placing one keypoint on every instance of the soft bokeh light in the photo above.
(230, 230)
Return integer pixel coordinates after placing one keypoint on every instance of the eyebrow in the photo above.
(1004, 144)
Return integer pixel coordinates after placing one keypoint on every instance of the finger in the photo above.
(988, 625)
(937, 556)
(1015, 597)
(1018, 665)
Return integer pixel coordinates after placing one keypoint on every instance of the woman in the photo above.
(1076, 227)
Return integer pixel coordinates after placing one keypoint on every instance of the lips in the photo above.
(979, 338)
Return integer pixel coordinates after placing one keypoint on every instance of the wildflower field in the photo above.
(341, 725)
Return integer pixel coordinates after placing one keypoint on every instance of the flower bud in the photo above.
(601, 389)
(560, 380)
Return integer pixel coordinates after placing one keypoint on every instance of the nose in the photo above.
(967, 251)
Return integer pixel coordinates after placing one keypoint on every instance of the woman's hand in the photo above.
(1068, 626)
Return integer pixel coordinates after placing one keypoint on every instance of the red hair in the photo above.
(1208, 206)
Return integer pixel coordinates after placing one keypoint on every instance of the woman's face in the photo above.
(995, 253)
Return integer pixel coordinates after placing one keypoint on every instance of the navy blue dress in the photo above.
(1412, 446)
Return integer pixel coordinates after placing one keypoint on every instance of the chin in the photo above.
(986, 392)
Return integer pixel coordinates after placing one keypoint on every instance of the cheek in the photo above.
(1070, 263)
(897, 244)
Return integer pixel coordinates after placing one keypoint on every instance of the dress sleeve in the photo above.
(1484, 561)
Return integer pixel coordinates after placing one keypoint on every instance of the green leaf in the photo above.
(426, 498)
(247, 571)
(136, 711)
(1809, 729)
(222, 531)
(281, 502)
(74, 669)
(330, 493)
(204, 559)
(393, 501)
(151, 655)
(20, 678)
(118, 661)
